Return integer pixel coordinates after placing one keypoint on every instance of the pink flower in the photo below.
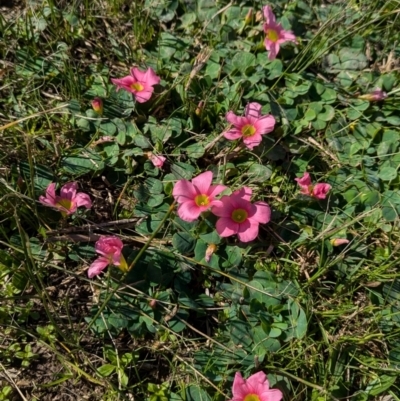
(158, 161)
(68, 200)
(375, 96)
(97, 105)
(239, 216)
(276, 35)
(339, 241)
(139, 83)
(255, 388)
(110, 249)
(197, 196)
(251, 126)
(318, 191)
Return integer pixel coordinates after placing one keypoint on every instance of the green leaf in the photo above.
(42, 175)
(327, 113)
(275, 69)
(85, 162)
(195, 151)
(155, 200)
(182, 170)
(108, 128)
(175, 323)
(183, 242)
(380, 384)
(259, 173)
(387, 173)
(310, 115)
(391, 205)
(233, 256)
(141, 141)
(106, 370)
(196, 393)
(243, 60)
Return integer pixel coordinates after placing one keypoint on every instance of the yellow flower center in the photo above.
(137, 86)
(239, 216)
(65, 203)
(248, 130)
(251, 397)
(272, 35)
(202, 200)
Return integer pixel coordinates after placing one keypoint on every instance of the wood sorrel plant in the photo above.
(274, 129)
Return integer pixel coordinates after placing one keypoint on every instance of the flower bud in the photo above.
(376, 96)
(199, 108)
(339, 241)
(248, 17)
(209, 252)
(153, 303)
(97, 105)
(158, 161)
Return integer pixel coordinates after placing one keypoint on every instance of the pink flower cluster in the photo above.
(237, 215)
(318, 191)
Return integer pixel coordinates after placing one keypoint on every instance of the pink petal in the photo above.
(271, 395)
(239, 388)
(226, 227)
(82, 199)
(215, 190)
(306, 190)
(203, 182)
(258, 383)
(50, 198)
(262, 214)
(273, 48)
(321, 190)
(124, 82)
(137, 74)
(253, 110)
(184, 191)
(233, 134)
(68, 191)
(151, 78)
(252, 141)
(158, 161)
(269, 15)
(240, 203)
(237, 121)
(189, 211)
(304, 181)
(248, 231)
(244, 193)
(109, 245)
(225, 208)
(98, 266)
(265, 124)
(143, 95)
(286, 36)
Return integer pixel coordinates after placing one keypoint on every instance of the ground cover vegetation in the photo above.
(199, 200)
